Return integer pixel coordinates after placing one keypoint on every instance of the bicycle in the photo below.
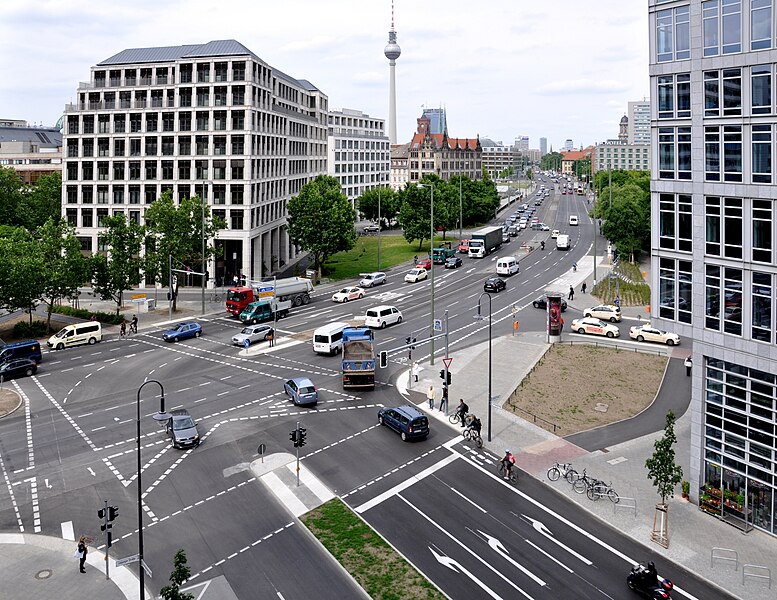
(600, 489)
(216, 297)
(582, 483)
(471, 435)
(564, 470)
(133, 328)
(501, 471)
(455, 418)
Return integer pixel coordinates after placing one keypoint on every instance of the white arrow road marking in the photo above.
(463, 545)
(48, 485)
(499, 548)
(91, 471)
(540, 527)
(457, 568)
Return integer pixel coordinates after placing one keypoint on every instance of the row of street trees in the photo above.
(29, 206)
(624, 208)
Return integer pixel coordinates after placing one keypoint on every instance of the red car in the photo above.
(464, 246)
(426, 263)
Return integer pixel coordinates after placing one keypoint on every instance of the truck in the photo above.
(294, 289)
(440, 255)
(358, 358)
(485, 241)
(264, 310)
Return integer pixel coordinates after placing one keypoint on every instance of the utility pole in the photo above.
(170, 282)
(204, 266)
(379, 227)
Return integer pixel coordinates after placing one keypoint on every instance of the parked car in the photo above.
(454, 262)
(182, 331)
(595, 326)
(542, 302)
(647, 333)
(372, 279)
(408, 421)
(301, 391)
(425, 263)
(252, 333)
(494, 284)
(18, 367)
(348, 294)
(182, 429)
(416, 275)
(371, 228)
(605, 312)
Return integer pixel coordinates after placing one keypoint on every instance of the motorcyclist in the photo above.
(542, 245)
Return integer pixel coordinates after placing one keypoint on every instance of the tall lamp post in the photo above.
(379, 223)
(479, 318)
(204, 266)
(161, 417)
(431, 258)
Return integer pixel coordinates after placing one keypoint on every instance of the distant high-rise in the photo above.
(568, 145)
(522, 142)
(543, 146)
(392, 52)
(639, 122)
(438, 123)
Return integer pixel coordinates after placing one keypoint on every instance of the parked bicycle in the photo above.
(601, 489)
(471, 435)
(564, 470)
(582, 483)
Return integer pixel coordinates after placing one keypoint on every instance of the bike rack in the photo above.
(724, 554)
(627, 503)
(768, 575)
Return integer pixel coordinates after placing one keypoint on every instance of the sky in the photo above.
(553, 68)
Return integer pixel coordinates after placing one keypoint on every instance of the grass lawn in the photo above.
(363, 258)
(383, 573)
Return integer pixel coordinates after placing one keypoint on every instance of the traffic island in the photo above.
(9, 402)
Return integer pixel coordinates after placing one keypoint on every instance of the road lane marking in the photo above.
(548, 555)
(455, 491)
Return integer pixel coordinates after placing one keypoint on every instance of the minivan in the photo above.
(507, 266)
(380, 316)
(408, 421)
(24, 349)
(329, 338)
(562, 242)
(72, 335)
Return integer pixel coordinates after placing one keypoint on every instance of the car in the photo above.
(647, 333)
(454, 262)
(182, 429)
(494, 284)
(605, 312)
(505, 238)
(372, 279)
(573, 220)
(512, 231)
(544, 227)
(182, 331)
(371, 228)
(18, 367)
(542, 302)
(425, 263)
(563, 192)
(554, 234)
(416, 275)
(251, 334)
(381, 316)
(464, 246)
(407, 420)
(522, 224)
(595, 326)
(538, 202)
(347, 294)
(301, 391)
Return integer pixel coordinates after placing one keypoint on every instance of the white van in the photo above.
(507, 266)
(380, 316)
(562, 242)
(329, 338)
(73, 335)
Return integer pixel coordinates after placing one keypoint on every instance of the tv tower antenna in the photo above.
(392, 52)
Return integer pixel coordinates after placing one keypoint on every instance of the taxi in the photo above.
(595, 327)
(647, 333)
(347, 294)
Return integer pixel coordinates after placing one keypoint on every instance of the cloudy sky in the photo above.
(556, 68)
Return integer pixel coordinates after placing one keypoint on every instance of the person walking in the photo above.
(416, 371)
(688, 365)
(81, 553)
(430, 396)
(462, 409)
(271, 338)
(583, 288)
(123, 329)
(444, 399)
(571, 294)
(617, 300)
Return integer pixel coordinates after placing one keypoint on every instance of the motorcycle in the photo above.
(646, 582)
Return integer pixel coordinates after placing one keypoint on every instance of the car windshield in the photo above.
(343, 291)
(178, 327)
(61, 333)
(183, 423)
(247, 330)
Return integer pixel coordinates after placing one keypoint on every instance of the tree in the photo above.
(529, 174)
(177, 232)
(21, 265)
(627, 221)
(41, 202)
(665, 475)
(63, 267)
(181, 572)
(389, 204)
(551, 161)
(321, 219)
(120, 269)
(10, 195)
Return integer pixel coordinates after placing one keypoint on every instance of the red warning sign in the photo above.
(447, 362)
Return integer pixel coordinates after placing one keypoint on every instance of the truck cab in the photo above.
(238, 298)
(440, 255)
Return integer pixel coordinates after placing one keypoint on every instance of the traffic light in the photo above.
(293, 437)
(301, 437)
(407, 341)
(448, 380)
(101, 513)
(445, 375)
(113, 512)
(413, 343)
(442, 374)
(383, 359)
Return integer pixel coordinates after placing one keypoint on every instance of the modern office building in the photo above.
(498, 158)
(209, 119)
(543, 146)
(437, 153)
(30, 151)
(522, 142)
(568, 145)
(358, 152)
(714, 244)
(639, 122)
(438, 122)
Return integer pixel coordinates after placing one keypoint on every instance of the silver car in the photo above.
(252, 333)
(373, 279)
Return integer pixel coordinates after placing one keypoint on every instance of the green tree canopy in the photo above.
(120, 269)
(627, 220)
(389, 204)
(21, 265)
(10, 196)
(551, 161)
(181, 572)
(41, 202)
(321, 219)
(661, 466)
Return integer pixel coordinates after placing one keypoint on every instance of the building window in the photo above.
(237, 194)
(711, 94)
(149, 193)
(732, 227)
(134, 170)
(761, 89)
(87, 217)
(760, 24)
(673, 38)
(118, 194)
(762, 153)
(134, 194)
(666, 288)
(71, 215)
(219, 144)
(732, 92)
(684, 291)
(237, 144)
(666, 221)
(762, 307)
(102, 195)
(184, 169)
(118, 170)
(119, 124)
(201, 167)
(711, 153)
(151, 169)
(762, 231)
(732, 153)
(167, 169)
(732, 294)
(674, 152)
(87, 195)
(712, 297)
(722, 26)
(236, 219)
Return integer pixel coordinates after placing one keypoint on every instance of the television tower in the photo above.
(392, 52)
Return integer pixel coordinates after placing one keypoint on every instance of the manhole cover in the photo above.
(44, 574)
(601, 407)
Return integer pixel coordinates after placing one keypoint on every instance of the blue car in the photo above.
(301, 391)
(182, 331)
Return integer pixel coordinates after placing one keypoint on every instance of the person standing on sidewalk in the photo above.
(444, 399)
(81, 553)
(430, 396)
(571, 294)
(583, 288)
(688, 365)
(123, 329)
(416, 372)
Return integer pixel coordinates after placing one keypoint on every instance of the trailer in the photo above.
(484, 241)
(358, 358)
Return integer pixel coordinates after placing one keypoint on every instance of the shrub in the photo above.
(23, 329)
(82, 313)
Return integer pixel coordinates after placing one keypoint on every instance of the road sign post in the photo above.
(127, 560)
(261, 450)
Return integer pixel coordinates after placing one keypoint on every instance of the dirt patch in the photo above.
(580, 387)
(9, 402)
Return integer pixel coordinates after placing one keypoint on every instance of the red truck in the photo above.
(294, 289)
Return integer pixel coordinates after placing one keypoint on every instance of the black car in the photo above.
(494, 284)
(18, 367)
(182, 429)
(454, 262)
(542, 302)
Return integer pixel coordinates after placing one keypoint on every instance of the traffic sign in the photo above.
(438, 324)
(127, 560)
(266, 289)
(246, 343)
(261, 449)
(447, 362)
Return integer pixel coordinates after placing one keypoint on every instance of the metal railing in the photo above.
(627, 503)
(724, 554)
(758, 569)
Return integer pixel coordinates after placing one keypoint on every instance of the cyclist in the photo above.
(134, 324)
(508, 460)
(462, 409)
(574, 266)
(475, 425)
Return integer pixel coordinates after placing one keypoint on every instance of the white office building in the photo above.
(209, 119)
(714, 242)
(639, 123)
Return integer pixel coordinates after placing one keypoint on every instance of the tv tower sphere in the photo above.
(392, 49)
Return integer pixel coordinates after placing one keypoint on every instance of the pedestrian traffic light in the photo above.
(407, 341)
(442, 374)
(413, 343)
(448, 378)
(113, 512)
(383, 359)
(301, 437)
(101, 513)
(293, 437)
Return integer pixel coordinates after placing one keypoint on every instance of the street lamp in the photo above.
(479, 318)
(161, 417)
(379, 222)
(204, 266)
(431, 258)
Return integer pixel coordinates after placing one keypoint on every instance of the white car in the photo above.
(605, 312)
(348, 294)
(544, 227)
(573, 219)
(595, 326)
(554, 234)
(416, 275)
(373, 279)
(646, 333)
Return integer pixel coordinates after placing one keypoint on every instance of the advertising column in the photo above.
(555, 323)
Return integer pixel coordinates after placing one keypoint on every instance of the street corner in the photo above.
(10, 401)
(270, 462)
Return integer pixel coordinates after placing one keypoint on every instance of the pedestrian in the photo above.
(462, 409)
(617, 300)
(271, 337)
(444, 399)
(235, 280)
(416, 371)
(81, 554)
(123, 329)
(688, 364)
(430, 396)
(415, 260)
(571, 295)
(583, 288)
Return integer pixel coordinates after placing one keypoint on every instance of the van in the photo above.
(407, 420)
(24, 349)
(73, 335)
(562, 242)
(507, 266)
(380, 316)
(329, 338)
